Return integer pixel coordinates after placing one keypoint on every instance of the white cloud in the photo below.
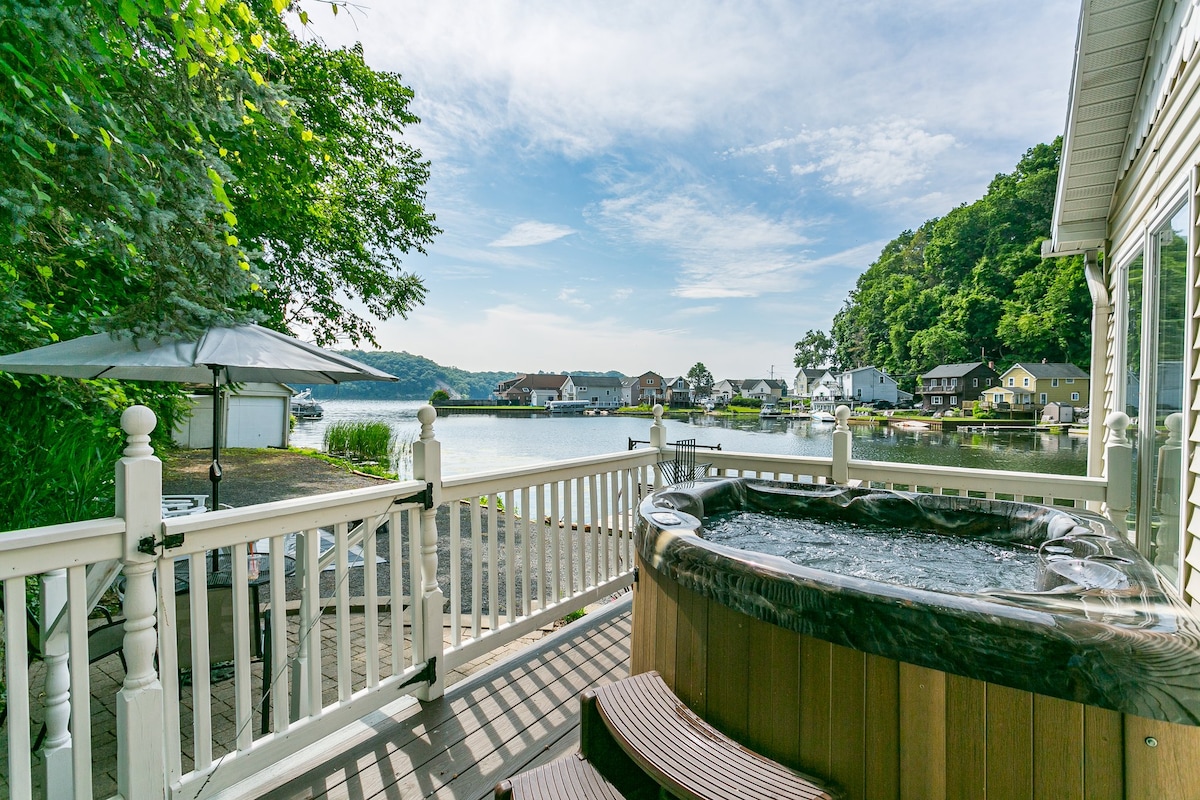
(721, 251)
(622, 294)
(528, 234)
(571, 297)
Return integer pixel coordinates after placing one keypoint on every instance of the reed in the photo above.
(361, 441)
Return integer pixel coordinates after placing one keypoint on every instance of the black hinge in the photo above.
(425, 497)
(635, 575)
(148, 546)
(428, 674)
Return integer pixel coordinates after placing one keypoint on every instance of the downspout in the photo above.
(1101, 320)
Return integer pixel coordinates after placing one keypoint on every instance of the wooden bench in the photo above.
(636, 737)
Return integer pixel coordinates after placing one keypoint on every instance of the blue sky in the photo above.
(641, 186)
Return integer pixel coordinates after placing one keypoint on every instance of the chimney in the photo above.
(992, 365)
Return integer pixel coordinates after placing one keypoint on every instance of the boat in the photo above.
(823, 416)
(911, 425)
(567, 406)
(305, 407)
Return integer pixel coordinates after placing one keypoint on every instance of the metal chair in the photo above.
(683, 468)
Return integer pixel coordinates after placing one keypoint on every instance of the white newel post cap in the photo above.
(1118, 423)
(138, 422)
(426, 415)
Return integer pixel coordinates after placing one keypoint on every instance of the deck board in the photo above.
(514, 715)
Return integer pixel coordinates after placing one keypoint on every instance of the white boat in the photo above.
(823, 416)
(911, 425)
(304, 407)
(567, 406)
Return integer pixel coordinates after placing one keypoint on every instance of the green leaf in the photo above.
(129, 12)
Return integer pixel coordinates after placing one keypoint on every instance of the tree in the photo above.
(814, 350)
(701, 379)
(439, 396)
(166, 176)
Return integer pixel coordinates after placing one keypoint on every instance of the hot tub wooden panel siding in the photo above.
(887, 730)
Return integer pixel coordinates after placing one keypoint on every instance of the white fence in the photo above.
(319, 635)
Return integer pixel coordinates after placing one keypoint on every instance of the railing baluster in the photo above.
(371, 602)
(476, 567)
(601, 526)
(554, 530)
(493, 547)
(568, 535)
(455, 512)
(310, 626)
(16, 645)
(594, 519)
(243, 704)
(277, 679)
(510, 556)
(416, 618)
(526, 528)
(543, 594)
(396, 574)
(81, 701)
(197, 599)
(168, 668)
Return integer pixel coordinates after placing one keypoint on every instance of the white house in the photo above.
(805, 381)
(1127, 187)
(725, 390)
(869, 385)
(602, 391)
(769, 390)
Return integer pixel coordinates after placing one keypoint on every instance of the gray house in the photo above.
(950, 385)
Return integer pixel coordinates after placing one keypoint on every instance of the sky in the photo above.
(642, 186)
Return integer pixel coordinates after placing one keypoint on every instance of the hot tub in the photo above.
(1080, 673)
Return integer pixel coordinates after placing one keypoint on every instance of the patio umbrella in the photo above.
(234, 354)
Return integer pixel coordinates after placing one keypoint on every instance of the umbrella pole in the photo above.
(214, 469)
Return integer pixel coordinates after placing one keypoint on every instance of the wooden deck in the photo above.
(519, 713)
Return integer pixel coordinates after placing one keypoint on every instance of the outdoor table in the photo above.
(259, 575)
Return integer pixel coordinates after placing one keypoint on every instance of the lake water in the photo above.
(481, 442)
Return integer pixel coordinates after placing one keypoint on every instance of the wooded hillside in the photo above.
(972, 286)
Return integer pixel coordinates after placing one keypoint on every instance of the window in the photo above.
(1025, 382)
(881, 379)
(1042, 399)
(936, 400)
(953, 400)
(974, 383)
(1154, 305)
(953, 382)
(581, 389)
(1070, 380)
(1012, 381)
(987, 381)
(1074, 396)
(1054, 383)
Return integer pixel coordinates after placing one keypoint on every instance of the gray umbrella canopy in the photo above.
(240, 353)
(234, 354)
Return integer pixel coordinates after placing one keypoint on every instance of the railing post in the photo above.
(1118, 469)
(140, 720)
(841, 446)
(55, 648)
(427, 466)
(658, 441)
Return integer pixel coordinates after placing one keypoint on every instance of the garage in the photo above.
(257, 415)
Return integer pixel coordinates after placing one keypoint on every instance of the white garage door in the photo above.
(256, 422)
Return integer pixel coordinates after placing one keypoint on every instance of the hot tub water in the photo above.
(905, 557)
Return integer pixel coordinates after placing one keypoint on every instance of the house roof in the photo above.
(1038, 370)
(952, 370)
(597, 381)
(811, 373)
(1105, 126)
(539, 382)
(864, 369)
(774, 383)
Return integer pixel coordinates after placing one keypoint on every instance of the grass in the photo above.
(362, 443)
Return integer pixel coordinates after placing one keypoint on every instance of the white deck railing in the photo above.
(517, 549)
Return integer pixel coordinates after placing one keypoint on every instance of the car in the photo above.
(881, 404)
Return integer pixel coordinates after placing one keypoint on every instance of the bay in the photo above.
(484, 442)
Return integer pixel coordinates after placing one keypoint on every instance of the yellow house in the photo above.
(1036, 385)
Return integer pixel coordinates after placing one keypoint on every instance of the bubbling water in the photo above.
(914, 558)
